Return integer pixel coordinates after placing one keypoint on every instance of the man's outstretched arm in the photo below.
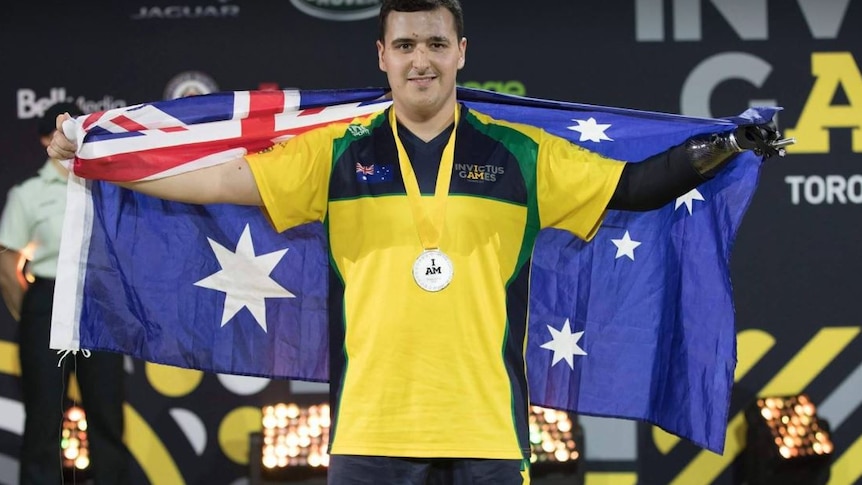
(661, 178)
(230, 182)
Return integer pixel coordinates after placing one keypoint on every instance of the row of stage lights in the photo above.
(295, 436)
(785, 436)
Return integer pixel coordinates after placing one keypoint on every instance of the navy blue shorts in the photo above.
(384, 470)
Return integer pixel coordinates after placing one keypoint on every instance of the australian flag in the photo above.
(636, 324)
(373, 174)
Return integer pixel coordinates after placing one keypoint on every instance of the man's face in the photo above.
(421, 56)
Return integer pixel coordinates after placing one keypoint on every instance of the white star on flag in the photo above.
(626, 246)
(591, 131)
(688, 200)
(564, 343)
(244, 278)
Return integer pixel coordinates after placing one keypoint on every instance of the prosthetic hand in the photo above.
(708, 154)
(764, 139)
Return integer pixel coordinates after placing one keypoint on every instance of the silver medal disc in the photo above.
(432, 270)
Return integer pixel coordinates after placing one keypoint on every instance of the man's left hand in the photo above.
(764, 139)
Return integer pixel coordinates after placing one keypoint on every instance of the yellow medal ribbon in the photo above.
(429, 224)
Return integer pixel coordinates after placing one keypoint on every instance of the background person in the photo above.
(33, 218)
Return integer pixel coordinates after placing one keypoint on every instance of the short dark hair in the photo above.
(453, 6)
(47, 124)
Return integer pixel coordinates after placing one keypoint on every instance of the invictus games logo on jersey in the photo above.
(342, 10)
(478, 173)
(190, 83)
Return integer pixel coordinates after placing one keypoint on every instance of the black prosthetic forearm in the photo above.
(708, 154)
(661, 178)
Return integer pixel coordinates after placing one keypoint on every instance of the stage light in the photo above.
(74, 445)
(293, 440)
(787, 442)
(556, 441)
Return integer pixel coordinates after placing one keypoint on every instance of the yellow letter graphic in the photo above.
(832, 70)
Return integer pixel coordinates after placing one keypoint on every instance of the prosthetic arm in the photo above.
(661, 178)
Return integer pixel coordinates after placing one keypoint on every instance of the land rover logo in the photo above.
(342, 10)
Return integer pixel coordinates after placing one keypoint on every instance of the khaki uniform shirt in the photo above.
(32, 219)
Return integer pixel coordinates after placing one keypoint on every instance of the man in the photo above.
(33, 219)
(429, 272)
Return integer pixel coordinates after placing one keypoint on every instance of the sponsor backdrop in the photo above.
(795, 268)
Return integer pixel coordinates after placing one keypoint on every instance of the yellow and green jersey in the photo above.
(432, 374)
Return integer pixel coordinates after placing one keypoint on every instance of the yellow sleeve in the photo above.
(293, 177)
(574, 186)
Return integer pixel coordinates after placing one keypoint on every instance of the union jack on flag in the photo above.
(164, 138)
(363, 170)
